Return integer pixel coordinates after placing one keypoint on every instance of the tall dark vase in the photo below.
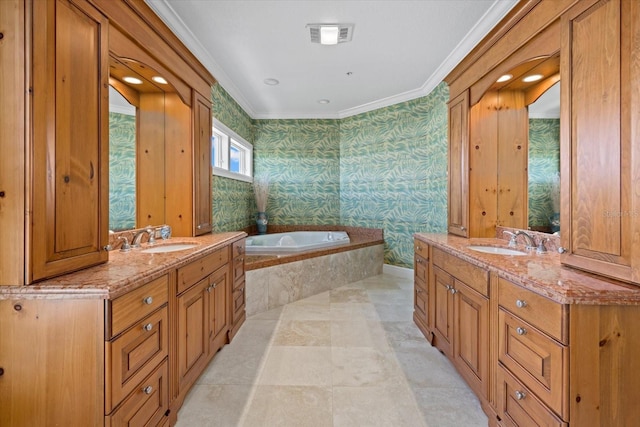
(261, 221)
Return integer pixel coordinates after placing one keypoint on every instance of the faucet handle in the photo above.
(512, 240)
(126, 247)
(541, 249)
(152, 235)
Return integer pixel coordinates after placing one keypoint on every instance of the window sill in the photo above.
(232, 175)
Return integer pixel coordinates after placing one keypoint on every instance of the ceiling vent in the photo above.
(330, 33)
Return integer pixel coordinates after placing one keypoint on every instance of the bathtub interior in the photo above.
(295, 241)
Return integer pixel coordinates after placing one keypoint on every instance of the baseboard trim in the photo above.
(394, 270)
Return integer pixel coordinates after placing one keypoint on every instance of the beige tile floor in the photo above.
(347, 357)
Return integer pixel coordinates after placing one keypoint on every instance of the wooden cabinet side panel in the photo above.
(12, 143)
(459, 165)
(202, 176)
(49, 348)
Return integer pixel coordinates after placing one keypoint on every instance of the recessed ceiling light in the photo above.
(132, 80)
(271, 82)
(159, 79)
(504, 78)
(532, 78)
(323, 101)
(349, 73)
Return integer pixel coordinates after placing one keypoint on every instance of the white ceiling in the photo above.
(400, 50)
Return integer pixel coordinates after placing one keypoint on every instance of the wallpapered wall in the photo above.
(383, 169)
(544, 164)
(393, 171)
(233, 202)
(301, 159)
(122, 171)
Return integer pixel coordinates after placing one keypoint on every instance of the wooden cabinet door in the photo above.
(471, 336)
(70, 137)
(218, 293)
(599, 153)
(443, 307)
(202, 165)
(421, 291)
(193, 337)
(52, 360)
(459, 165)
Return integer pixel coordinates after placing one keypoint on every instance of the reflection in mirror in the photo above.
(122, 162)
(544, 161)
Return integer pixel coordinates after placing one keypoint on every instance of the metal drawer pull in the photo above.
(520, 394)
(148, 300)
(148, 327)
(520, 303)
(521, 331)
(147, 390)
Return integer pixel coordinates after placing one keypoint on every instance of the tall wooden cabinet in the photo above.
(70, 137)
(459, 165)
(202, 125)
(601, 138)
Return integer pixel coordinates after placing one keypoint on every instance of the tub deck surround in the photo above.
(359, 238)
(124, 272)
(542, 274)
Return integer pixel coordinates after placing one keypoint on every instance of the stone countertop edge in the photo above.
(123, 272)
(541, 273)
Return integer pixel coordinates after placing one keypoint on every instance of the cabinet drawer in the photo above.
(539, 362)
(238, 248)
(421, 302)
(421, 268)
(421, 249)
(191, 273)
(519, 407)
(238, 268)
(546, 315)
(131, 307)
(134, 354)
(474, 277)
(147, 404)
(238, 303)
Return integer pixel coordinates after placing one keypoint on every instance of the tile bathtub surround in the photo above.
(350, 356)
(270, 287)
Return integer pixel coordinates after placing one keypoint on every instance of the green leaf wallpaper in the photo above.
(122, 171)
(393, 171)
(384, 169)
(544, 164)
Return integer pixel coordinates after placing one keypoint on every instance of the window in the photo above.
(231, 156)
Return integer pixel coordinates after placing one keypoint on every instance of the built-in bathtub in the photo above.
(295, 241)
(278, 278)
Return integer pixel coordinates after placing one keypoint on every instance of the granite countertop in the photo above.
(123, 272)
(541, 273)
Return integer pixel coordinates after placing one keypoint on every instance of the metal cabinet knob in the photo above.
(521, 331)
(453, 290)
(521, 303)
(463, 228)
(520, 394)
(561, 250)
(147, 390)
(148, 300)
(148, 327)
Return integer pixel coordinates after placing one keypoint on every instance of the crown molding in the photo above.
(485, 24)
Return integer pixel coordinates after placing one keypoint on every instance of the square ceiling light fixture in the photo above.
(330, 33)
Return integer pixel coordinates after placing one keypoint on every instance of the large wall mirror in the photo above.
(537, 84)
(137, 122)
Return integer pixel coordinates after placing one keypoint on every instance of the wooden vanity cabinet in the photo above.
(461, 328)
(237, 301)
(136, 356)
(421, 309)
(202, 128)
(202, 291)
(70, 135)
(599, 136)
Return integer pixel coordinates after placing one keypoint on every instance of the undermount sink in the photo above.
(496, 250)
(174, 247)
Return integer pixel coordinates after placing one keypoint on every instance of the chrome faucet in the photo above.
(137, 238)
(530, 243)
